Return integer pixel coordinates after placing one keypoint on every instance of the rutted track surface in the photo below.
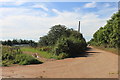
(95, 64)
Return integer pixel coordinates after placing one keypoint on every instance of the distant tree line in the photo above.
(19, 42)
(109, 35)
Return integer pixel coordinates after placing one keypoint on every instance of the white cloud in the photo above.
(29, 23)
(20, 11)
(56, 11)
(107, 5)
(90, 23)
(24, 27)
(90, 5)
(41, 6)
(18, 1)
(13, 2)
(77, 9)
(32, 27)
(59, 0)
(109, 11)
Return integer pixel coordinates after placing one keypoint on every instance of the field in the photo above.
(44, 54)
(34, 50)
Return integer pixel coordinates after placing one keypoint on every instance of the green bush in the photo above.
(46, 48)
(9, 53)
(7, 62)
(67, 41)
(13, 55)
(71, 46)
(62, 56)
(61, 46)
(24, 59)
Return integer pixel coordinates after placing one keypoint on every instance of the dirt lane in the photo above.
(96, 64)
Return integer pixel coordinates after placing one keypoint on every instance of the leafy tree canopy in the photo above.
(109, 35)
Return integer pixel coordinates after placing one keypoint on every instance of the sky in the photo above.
(31, 20)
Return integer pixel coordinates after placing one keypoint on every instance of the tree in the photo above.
(64, 40)
(71, 45)
(43, 41)
(109, 35)
(19, 42)
(55, 32)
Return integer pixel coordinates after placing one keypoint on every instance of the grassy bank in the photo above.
(44, 54)
(112, 50)
(14, 55)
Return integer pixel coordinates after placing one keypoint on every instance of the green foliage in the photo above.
(19, 42)
(8, 53)
(70, 45)
(40, 51)
(44, 41)
(7, 62)
(62, 56)
(14, 55)
(24, 59)
(109, 35)
(44, 53)
(46, 48)
(56, 32)
(67, 41)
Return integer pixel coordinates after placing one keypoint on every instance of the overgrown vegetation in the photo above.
(13, 55)
(64, 41)
(44, 52)
(109, 35)
(70, 45)
(59, 43)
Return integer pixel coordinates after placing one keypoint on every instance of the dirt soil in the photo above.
(94, 64)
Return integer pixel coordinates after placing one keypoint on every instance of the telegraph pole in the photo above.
(79, 27)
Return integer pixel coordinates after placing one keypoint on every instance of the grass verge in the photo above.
(13, 55)
(44, 54)
(112, 50)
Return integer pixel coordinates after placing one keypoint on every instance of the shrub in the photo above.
(9, 53)
(46, 48)
(62, 56)
(71, 46)
(67, 41)
(13, 55)
(7, 62)
(24, 59)
(61, 46)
